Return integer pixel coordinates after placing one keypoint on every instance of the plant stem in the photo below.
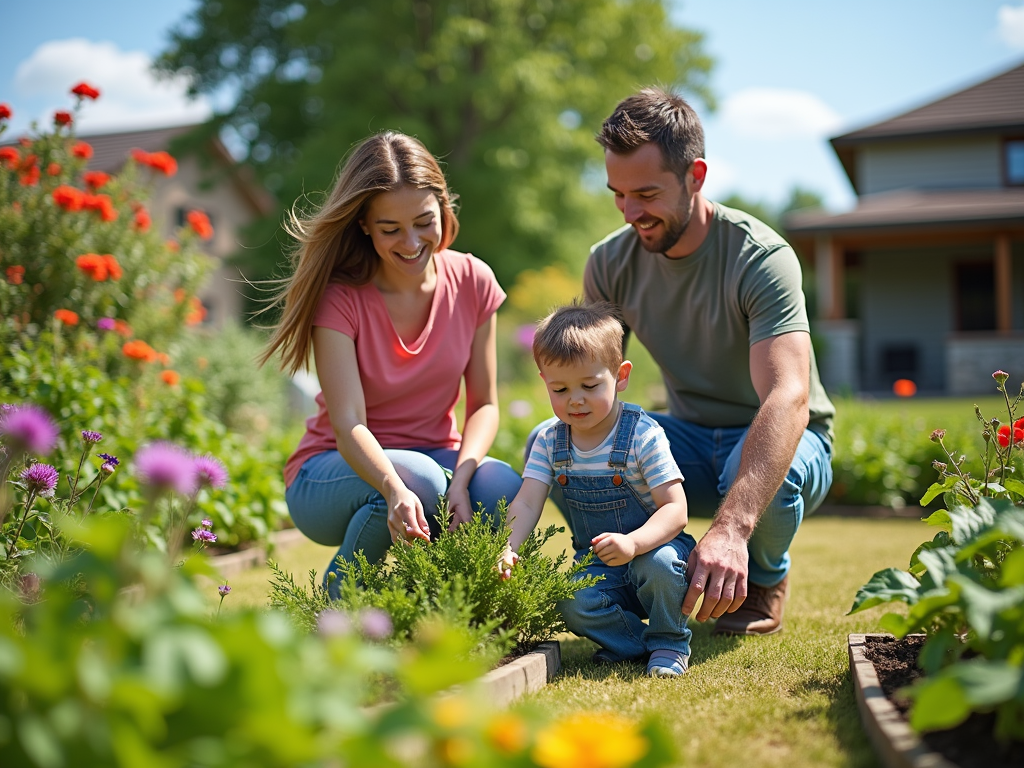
(78, 473)
(960, 473)
(95, 493)
(21, 526)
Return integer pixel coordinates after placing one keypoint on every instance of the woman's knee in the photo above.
(421, 475)
(493, 481)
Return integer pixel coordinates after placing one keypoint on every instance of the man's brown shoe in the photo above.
(760, 614)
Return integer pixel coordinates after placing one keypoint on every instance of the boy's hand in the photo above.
(506, 562)
(614, 548)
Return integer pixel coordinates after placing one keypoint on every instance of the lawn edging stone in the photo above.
(895, 743)
(527, 674)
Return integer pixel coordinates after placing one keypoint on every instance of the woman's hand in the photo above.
(405, 515)
(459, 505)
(506, 562)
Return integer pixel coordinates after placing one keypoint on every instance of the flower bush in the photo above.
(965, 587)
(94, 310)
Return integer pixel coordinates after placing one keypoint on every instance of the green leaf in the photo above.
(982, 606)
(1012, 573)
(887, 586)
(968, 522)
(936, 489)
(1014, 486)
(939, 703)
(939, 564)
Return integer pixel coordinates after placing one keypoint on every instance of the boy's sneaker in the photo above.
(665, 663)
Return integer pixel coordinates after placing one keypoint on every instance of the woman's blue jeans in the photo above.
(709, 459)
(333, 506)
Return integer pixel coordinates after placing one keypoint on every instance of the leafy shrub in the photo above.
(454, 576)
(965, 587)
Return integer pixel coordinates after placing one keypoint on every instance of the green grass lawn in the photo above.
(784, 700)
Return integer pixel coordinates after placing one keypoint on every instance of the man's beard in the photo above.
(675, 228)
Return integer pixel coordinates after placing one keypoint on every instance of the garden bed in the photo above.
(881, 666)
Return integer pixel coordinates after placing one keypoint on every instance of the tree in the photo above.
(508, 93)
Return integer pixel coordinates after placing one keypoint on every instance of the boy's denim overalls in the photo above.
(651, 585)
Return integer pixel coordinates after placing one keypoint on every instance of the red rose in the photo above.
(81, 149)
(113, 268)
(10, 156)
(95, 179)
(200, 224)
(53, 169)
(62, 117)
(94, 265)
(30, 177)
(102, 204)
(142, 220)
(1003, 435)
(5, 111)
(85, 91)
(69, 198)
(158, 161)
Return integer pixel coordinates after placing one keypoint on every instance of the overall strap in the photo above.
(624, 435)
(561, 455)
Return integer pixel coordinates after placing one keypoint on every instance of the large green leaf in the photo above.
(887, 586)
(982, 606)
(967, 522)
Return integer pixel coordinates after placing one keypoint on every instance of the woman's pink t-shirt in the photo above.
(410, 390)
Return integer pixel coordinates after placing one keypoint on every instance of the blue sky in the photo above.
(789, 73)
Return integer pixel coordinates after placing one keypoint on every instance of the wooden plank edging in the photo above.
(895, 743)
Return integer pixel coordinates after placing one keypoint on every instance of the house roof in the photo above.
(912, 209)
(111, 150)
(996, 103)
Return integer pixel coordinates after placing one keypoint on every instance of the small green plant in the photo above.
(454, 576)
(965, 588)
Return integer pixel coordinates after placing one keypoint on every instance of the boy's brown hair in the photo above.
(580, 333)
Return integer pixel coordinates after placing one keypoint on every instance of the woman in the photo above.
(395, 321)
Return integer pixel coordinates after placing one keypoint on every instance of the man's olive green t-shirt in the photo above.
(699, 315)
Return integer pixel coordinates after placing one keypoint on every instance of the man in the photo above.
(715, 296)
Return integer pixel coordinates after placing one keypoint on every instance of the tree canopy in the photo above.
(507, 93)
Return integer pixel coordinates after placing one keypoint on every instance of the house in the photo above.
(924, 278)
(225, 192)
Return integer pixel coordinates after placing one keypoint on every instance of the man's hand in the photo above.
(718, 570)
(614, 548)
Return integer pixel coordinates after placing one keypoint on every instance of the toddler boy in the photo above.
(623, 494)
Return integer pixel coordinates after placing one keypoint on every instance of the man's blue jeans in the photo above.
(709, 459)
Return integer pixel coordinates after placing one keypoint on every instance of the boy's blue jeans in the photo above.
(709, 458)
(332, 505)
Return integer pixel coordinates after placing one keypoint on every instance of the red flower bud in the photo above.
(85, 91)
(62, 117)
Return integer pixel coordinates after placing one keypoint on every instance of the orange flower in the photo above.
(62, 117)
(66, 316)
(170, 377)
(15, 274)
(85, 91)
(164, 358)
(173, 246)
(159, 161)
(142, 220)
(112, 266)
(196, 313)
(82, 150)
(122, 328)
(53, 169)
(200, 224)
(179, 295)
(10, 156)
(139, 350)
(95, 179)
(69, 198)
(94, 265)
(508, 733)
(102, 204)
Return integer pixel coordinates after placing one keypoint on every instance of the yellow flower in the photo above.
(507, 732)
(455, 751)
(451, 712)
(590, 740)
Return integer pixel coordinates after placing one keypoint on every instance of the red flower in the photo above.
(173, 246)
(139, 350)
(15, 274)
(5, 111)
(95, 179)
(112, 266)
(196, 313)
(122, 328)
(164, 358)
(159, 161)
(85, 91)
(170, 377)
(200, 224)
(94, 265)
(10, 156)
(81, 149)
(30, 177)
(62, 117)
(102, 204)
(53, 169)
(142, 220)
(1003, 435)
(69, 198)
(66, 316)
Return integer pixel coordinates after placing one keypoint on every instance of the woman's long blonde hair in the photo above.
(331, 246)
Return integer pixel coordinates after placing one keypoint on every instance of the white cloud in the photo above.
(1011, 25)
(130, 94)
(778, 113)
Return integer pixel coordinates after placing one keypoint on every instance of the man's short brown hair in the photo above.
(658, 117)
(580, 333)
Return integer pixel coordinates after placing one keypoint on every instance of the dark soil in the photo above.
(969, 745)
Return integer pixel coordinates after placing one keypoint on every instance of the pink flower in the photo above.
(165, 466)
(40, 479)
(210, 471)
(28, 428)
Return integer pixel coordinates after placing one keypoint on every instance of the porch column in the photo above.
(1004, 284)
(830, 278)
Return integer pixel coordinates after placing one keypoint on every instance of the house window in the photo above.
(975, 296)
(899, 361)
(1015, 162)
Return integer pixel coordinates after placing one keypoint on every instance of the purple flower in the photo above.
(28, 428)
(210, 471)
(166, 466)
(525, 334)
(40, 479)
(208, 537)
(375, 623)
(106, 324)
(331, 623)
(224, 590)
(206, 522)
(91, 438)
(109, 463)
